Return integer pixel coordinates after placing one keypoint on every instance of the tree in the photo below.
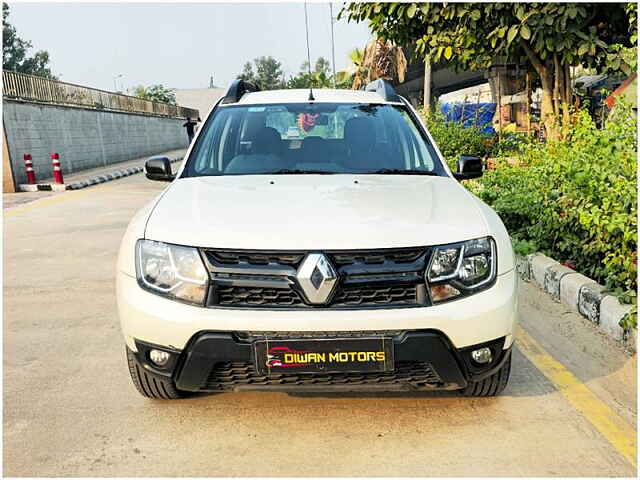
(267, 74)
(320, 76)
(15, 49)
(323, 65)
(354, 69)
(247, 73)
(381, 59)
(625, 57)
(548, 37)
(156, 93)
(310, 80)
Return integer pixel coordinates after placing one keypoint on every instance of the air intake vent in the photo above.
(236, 375)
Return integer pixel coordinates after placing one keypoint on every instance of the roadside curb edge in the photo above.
(580, 294)
(98, 179)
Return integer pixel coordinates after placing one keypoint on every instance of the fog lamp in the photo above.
(482, 355)
(159, 357)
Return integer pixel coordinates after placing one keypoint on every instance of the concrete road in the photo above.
(70, 409)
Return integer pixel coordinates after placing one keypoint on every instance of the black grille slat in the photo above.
(386, 267)
(375, 295)
(366, 278)
(256, 281)
(385, 278)
(372, 257)
(251, 296)
(255, 258)
(229, 375)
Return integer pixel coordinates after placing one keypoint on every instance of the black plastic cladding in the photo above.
(205, 349)
(192, 366)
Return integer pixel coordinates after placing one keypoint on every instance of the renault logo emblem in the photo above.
(317, 278)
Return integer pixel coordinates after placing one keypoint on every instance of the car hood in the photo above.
(315, 212)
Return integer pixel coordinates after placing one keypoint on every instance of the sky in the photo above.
(179, 45)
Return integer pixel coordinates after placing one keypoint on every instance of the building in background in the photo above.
(627, 90)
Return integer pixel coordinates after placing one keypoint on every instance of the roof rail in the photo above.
(237, 89)
(384, 89)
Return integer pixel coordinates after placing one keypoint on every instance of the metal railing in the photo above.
(21, 86)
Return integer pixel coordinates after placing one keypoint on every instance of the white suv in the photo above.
(349, 258)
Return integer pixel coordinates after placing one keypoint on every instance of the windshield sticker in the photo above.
(306, 121)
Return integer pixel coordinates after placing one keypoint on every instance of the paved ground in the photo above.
(70, 410)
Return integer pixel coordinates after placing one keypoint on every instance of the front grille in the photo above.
(231, 375)
(366, 278)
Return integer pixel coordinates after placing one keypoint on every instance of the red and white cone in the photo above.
(31, 175)
(57, 171)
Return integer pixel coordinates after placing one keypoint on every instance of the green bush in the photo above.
(575, 199)
(509, 143)
(455, 140)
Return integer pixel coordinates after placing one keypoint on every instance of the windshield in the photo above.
(312, 138)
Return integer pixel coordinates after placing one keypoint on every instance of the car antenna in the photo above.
(306, 24)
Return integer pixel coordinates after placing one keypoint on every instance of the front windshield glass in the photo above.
(312, 138)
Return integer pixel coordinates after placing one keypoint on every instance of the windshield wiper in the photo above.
(400, 171)
(294, 171)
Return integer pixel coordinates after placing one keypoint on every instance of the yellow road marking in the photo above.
(58, 198)
(617, 432)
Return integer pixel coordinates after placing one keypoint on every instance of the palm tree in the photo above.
(345, 78)
(380, 59)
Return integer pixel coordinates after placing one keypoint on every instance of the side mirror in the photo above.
(468, 168)
(158, 168)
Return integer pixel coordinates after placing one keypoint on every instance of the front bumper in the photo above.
(224, 361)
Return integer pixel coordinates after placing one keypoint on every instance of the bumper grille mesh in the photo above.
(231, 375)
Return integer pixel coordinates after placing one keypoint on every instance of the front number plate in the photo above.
(324, 355)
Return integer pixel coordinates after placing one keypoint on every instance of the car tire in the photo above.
(149, 384)
(492, 385)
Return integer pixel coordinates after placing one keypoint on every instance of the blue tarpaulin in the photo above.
(471, 114)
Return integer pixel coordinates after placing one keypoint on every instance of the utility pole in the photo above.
(426, 102)
(499, 107)
(115, 84)
(528, 100)
(333, 46)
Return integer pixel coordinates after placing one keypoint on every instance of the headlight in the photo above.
(461, 268)
(171, 270)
